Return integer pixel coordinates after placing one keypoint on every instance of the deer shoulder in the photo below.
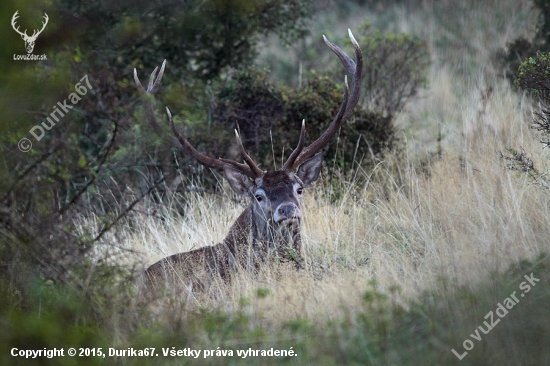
(269, 228)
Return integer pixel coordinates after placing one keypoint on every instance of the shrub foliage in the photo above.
(520, 49)
(395, 70)
(100, 160)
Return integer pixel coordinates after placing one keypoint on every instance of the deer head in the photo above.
(277, 194)
(29, 40)
(274, 214)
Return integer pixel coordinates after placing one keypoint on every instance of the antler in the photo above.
(13, 19)
(250, 168)
(301, 154)
(24, 34)
(37, 32)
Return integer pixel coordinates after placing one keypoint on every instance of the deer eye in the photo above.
(259, 198)
(299, 190)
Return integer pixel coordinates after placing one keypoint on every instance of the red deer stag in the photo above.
(270, 226)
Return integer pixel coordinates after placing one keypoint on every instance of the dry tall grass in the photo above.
(458, 215)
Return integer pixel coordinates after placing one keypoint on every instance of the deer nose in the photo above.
(288, 211)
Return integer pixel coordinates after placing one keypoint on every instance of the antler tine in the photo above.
(13, 21)
(357, 76)
(182, 144)
(152, 80)
(250, 169)
(154, 83)
(349, 102)
(257, 172)
(138, 83)
(46, 18)
(332, 130)
(37, 32)
(152, 88)
(186, 147)
(289, 164)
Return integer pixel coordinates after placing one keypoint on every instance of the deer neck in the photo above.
(253, 230)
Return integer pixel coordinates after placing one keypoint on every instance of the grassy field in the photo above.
(405, 260)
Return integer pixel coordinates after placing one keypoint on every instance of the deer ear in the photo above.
(309, 171)
(239, 182)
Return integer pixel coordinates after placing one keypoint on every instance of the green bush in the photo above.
(55, 318)
(381, 329)
(97, 161)
(518, 50)
(527, 63)
(264, 111)
(395, 70)
(534, 77)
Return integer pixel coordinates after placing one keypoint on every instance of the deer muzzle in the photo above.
(287, 211)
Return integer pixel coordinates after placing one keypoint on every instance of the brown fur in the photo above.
(270, 226)
(253, 240)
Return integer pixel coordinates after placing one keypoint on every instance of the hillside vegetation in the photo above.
(407, 254)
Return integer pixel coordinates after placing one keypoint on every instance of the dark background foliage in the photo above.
(99, 151)
(521, 48)
(102, 158)
(527, 64)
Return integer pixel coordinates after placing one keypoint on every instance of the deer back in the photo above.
(267, 230)
(270, 226)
